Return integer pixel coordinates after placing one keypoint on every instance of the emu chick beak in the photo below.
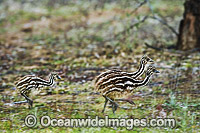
(59, 77)
(151, 60)
(156, 71)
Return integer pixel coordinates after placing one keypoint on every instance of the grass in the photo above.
(147, 107)
(67, 39)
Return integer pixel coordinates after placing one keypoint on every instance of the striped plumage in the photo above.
(26, 84)
(105, 76)
(117, 86)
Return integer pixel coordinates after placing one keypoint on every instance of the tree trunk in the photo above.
(189, 30)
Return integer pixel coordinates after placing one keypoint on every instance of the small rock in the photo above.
(27, 28)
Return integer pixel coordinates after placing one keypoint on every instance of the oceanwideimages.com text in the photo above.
(128, 123)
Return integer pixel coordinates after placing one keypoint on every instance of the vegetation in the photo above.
(83, 39)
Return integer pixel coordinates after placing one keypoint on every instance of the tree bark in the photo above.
(189, 30)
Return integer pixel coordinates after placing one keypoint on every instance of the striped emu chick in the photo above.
(26, 84)
(118, 73)
(105, 76)
(118, 86)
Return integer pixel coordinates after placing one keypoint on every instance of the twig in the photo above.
(153, 47)
(12, 104)
(165, 23)
(176, 79)
(130, 27)
(173, 51)
(141, 4)
(123, 32)
(161, 20)
(20, 102)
